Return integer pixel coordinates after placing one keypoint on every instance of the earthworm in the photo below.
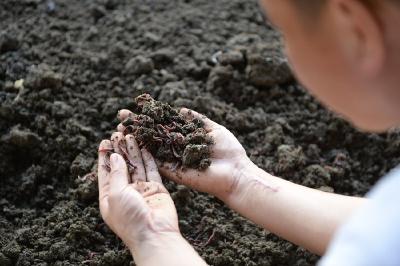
(131, 166)
(176, 154)
(180, 138)
(172, 127)
(90, 176)
(209, 239)
(132, 129)
(107, 165)
(175, 166)
(158, 139)
(161, 129)
(106, 150)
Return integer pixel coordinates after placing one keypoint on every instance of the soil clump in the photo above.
(168, 136)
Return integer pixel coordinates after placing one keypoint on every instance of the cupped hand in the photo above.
(228, 159)
(134, 203)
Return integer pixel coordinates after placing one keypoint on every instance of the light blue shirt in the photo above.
(371, 237)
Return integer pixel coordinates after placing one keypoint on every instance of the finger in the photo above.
(135, 158)
(116, 139)
(121, 128)
(151, 167)
(103, 168)
(119, 177)
(188, 177)
(124, 114)
(209, 125)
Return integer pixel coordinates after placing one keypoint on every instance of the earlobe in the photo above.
(359, 35)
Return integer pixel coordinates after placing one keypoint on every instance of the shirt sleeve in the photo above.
(371, 237)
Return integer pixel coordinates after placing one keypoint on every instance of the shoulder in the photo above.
(372, 235)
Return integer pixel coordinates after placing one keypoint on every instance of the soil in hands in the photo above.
(168, 136)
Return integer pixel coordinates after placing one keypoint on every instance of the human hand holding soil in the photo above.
(131, 203)
(136, 206)
(228, 157)
(282, 206)
(166, 134)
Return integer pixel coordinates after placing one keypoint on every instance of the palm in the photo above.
(161, 212)
(136, 202)
(227, 154)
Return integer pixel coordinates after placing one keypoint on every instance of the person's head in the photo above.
(347, 53)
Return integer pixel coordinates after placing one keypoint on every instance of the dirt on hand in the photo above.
(168, 136)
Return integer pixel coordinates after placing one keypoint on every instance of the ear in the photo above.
(359, 35)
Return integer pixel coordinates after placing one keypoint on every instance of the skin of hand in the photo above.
(137, 207)
(228, 158)
(279, 206)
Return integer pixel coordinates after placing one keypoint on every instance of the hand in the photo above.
(136, 206)
(228, 157)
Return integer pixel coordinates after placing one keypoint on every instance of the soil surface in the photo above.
(68, 66)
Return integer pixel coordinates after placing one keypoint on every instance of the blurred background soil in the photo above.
(68, 66)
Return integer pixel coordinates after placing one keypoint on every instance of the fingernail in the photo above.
(114, 159)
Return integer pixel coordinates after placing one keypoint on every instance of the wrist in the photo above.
(150, 243)
(166, 249)
(248, 179)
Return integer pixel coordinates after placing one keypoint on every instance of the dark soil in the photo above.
(68, 66)
(168, 136)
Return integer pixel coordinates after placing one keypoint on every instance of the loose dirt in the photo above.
(68, 66)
